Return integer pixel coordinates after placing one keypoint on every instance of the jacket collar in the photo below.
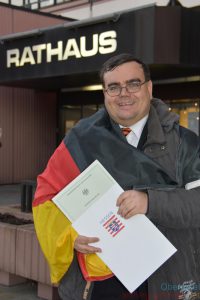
(160, 120)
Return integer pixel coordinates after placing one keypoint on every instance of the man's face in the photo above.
(127, 108)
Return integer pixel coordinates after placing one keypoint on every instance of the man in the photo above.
(157, 163)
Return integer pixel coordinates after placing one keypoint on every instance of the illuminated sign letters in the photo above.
(102, 43)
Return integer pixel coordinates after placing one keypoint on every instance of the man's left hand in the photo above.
(131, 203)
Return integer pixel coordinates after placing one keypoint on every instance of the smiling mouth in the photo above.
(126, 103)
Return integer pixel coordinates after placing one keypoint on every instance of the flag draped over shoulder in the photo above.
(93, 138)
(54, 230)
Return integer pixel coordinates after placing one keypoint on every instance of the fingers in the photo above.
(127, 209)
(122, 197)
(131, 203)
(82, 244)
(126, 204)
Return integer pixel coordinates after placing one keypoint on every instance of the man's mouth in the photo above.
(125, 103)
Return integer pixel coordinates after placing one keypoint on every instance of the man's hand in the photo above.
(81, 244)
(131, 203)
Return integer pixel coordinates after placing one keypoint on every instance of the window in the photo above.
(188, 109)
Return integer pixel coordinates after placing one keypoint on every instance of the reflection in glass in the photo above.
(188, 109)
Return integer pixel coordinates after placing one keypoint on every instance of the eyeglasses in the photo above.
(131, 87)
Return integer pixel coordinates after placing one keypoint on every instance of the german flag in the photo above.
(96, 137)
(54, 230)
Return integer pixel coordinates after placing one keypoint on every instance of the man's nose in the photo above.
(124, 91)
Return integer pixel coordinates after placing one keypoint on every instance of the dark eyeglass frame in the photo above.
(137, 88)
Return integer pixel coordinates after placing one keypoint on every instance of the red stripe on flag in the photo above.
(109, 220)
(82, 263)
(60, 171)
(118, 231)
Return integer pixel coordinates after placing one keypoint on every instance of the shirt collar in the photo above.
(138, 127)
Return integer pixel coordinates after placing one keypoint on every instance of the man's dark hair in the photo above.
(120, 59)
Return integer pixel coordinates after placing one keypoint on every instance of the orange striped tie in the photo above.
(125, 130)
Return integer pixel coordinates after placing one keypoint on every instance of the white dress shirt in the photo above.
(136, 130)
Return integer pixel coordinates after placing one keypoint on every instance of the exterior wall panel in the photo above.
(6, 24)
(6, 125)
(27, 21)
(23, 134)
(34, 132)
(27, 118)
(45, 119)
(15, 20)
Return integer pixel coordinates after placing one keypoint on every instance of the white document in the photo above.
(133, 249)
(84, 190)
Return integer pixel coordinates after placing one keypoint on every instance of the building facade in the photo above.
(49, 72)
(27, 127)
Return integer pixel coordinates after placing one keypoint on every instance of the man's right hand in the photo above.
(81, 244)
